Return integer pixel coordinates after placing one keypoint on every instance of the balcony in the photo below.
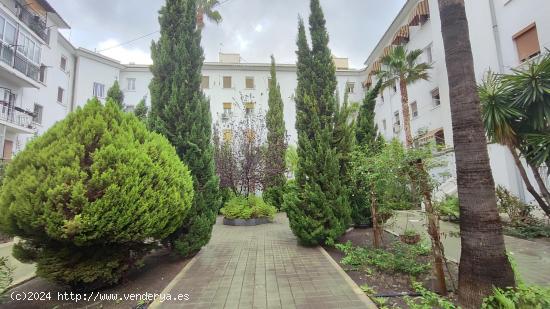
(16, 117)
(19, 69)
(34, 21)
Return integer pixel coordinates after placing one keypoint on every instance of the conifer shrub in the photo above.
(92, 195)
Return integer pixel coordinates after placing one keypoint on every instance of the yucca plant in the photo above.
(502, 118)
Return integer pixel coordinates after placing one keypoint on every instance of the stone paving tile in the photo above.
(262, 267)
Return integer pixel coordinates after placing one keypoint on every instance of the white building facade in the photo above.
(57, 77)
(503, 35)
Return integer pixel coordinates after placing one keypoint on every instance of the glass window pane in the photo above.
(2, 22)
(9, 35)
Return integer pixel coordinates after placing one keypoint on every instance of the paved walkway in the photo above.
(262, 267)
(21, 272)
(532, 257)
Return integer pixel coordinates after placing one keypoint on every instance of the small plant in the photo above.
(242, 207)
(410, 237)
(523, 296)
(400, 258)
(512, 205)
(428, 299)
(448, 208)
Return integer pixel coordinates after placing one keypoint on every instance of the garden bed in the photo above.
(246, 222)
(377, 282)
(158, 270)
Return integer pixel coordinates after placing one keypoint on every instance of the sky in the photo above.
(253, 28)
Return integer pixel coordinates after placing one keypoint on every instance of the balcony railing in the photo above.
(34, 21)
(20, 63)
(16, 115)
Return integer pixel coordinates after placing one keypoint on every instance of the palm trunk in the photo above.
(483, 260)
(542, 187)
(406, 112)
(528, 184)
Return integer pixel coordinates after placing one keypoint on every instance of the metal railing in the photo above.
(34, 21)
(16, 115)
(18, 62)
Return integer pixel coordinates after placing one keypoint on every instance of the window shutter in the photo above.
(527, 42)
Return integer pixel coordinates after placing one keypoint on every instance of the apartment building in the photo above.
(31, 72)
(43, 76)
(503, 33)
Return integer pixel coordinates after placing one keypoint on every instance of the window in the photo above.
(60, 94)
(382, 96)
(527, 43)
(131, 84)
(396, 120)
(42, 74)
(227, 82)
(350, 87)
(9, 33)
(249, 107)
(205, 82)
(394, 86)
(227, 110)
(414, 109)
(2, 22)
(99, 90)
(439, 137)
(37, 117)
(384, 124)
(435, 97)
(250, 135)
(428, 54)
(63, 64)
(249, 82)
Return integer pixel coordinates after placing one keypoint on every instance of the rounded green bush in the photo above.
(92, 195)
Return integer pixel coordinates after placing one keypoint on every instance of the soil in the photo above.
(384, 283)
(158, 270)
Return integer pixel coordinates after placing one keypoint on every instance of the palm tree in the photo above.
(483, 260)
(500, 117)
(400, 67)
(206, 8)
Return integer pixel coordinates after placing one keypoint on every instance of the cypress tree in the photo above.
(181, 112)
(366, 132)
(141, 110)
(318, 211)
(116, 95)
(276, 143)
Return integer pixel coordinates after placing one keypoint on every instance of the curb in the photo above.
(156, 304)
(362, 296)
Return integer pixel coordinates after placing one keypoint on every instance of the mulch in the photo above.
(385, 283)
(158, 270)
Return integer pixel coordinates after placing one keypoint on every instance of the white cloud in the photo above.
(259, 28)
(122, 53)
(243, 43)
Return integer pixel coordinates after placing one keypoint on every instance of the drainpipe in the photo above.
(496, 35)
(74, 79)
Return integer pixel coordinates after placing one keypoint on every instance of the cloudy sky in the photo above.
(253, 28)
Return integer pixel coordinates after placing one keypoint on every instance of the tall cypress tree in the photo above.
(366, 131)
(114, 93)
(319, 210)
(276, 143)
(180, 111)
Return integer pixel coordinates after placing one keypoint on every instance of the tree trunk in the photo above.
(542, 187)
(406, 112)
(433, 230)
(528, 184)
(483, 260)
(375, 227)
